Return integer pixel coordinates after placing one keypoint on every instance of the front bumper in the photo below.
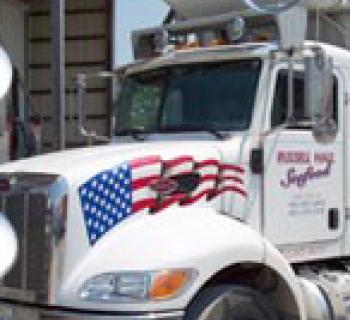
(10, 310)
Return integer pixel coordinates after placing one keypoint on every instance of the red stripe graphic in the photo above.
(207, 163)
(230, 189)
(231, 178)
(179, 174)
(226, 173)
(209, 177)
(140, 205)
(231, 167)
(147, 161)
(177, 198)
(197, 197)
(138, 184)
(169, 164)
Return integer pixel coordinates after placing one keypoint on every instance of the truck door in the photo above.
(303, 179)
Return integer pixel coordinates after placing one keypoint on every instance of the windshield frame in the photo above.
(159, 130)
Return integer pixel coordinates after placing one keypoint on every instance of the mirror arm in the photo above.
(329, 90)
(290, 108)
(81, 89)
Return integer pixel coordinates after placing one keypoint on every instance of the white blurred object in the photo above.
(201, 8)
(8, 246)
(268, 7)
(5, 72)
(292, 35)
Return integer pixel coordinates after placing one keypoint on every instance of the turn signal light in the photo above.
(169, 284)
(218, 42)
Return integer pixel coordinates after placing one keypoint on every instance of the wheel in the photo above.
(230, 302)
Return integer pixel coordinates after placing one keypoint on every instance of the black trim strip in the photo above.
(46, 308)
(75, 117)
(48, 91)
(69, 64)
(92, 37)
(70, 12)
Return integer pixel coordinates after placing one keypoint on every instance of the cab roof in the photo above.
(203, 54)
(226, 53)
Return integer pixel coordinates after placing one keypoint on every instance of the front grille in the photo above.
(29, 215)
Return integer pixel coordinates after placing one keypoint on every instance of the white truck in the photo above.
(224, 193)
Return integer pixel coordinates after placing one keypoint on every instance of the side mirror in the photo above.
(319, 93)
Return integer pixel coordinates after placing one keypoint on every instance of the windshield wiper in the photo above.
(136, 134)
(193, 127)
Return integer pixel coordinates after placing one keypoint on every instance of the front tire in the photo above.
(230, 302)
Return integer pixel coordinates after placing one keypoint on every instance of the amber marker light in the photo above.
(169, 284)
(218, 42)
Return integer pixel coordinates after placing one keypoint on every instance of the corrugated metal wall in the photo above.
(88, 26)
(13, 34)
(13, 38)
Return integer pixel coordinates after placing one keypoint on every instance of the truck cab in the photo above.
(222, 195)
(236, 100)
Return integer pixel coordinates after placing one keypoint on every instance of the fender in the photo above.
(275, 260)
(198, 238)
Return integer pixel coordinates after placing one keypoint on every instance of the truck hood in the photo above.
(110, 188)
(156, 175)
(78, 164)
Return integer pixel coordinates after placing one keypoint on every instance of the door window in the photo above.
(301, 112)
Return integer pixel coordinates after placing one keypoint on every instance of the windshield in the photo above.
(215, 96)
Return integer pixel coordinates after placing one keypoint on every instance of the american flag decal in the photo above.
(112, 196)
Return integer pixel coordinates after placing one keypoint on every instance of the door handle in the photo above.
(333, 219)
(256, 161)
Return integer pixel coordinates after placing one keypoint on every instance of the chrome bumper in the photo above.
(17, 311)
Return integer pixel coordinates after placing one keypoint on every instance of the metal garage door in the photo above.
(87, 50)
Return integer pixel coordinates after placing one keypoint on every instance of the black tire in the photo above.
(230, 302)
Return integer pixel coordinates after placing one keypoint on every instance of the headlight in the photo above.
(137, 286)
